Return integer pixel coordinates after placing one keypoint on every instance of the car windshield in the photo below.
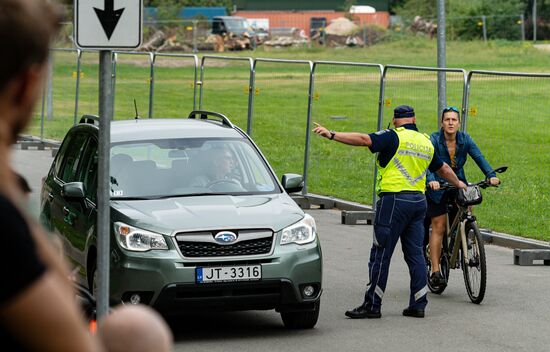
(186, 167)
(237, 25)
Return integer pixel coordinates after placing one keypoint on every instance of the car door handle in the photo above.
(66, 211)
(50, 196)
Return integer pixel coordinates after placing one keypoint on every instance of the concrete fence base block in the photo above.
(528, 256)
(357, 217)
(29, 144)
(306, 202)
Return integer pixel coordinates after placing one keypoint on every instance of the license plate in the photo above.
(228, 273)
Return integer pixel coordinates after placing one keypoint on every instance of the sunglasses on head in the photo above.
(451, 108)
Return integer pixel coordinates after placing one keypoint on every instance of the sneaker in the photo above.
(437, 280)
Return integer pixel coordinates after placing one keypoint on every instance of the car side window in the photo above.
(87, 173)
(72, 156)
(61, 154)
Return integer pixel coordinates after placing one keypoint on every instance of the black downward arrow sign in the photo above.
(109, 17)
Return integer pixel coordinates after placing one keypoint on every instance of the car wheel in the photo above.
(301, 320)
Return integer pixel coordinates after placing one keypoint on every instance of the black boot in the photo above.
(362, 312)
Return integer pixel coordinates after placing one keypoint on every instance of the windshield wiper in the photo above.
(195, 195)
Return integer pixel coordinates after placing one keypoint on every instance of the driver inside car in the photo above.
(218, 171)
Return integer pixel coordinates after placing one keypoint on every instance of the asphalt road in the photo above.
(515, 315)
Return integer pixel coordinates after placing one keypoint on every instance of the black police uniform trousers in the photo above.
(398, 216)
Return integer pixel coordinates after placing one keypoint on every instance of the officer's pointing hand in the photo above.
(320, 130)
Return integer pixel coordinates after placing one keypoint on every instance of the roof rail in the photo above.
(205, 114)
(92, 119)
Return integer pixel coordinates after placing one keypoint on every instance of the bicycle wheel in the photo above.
(444, 267)
(475, 271)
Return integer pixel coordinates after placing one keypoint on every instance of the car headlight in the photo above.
(134, 239)
(302, 232)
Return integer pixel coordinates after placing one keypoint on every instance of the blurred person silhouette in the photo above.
(38, 310)
(119, 336)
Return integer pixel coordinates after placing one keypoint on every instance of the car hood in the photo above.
(180, 214)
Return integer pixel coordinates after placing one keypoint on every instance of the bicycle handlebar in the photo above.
(483, 184)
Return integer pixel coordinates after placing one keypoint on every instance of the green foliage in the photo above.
(464, 18)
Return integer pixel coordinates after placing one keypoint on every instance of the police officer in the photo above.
(404, 157)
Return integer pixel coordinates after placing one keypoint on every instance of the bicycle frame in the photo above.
(463, 215)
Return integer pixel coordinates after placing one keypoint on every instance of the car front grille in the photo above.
(196, 248)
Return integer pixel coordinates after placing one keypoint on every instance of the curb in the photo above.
(491, 237)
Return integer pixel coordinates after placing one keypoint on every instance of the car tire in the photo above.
(301, 320)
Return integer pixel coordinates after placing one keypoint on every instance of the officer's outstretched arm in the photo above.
(447, 173)
(351, 138)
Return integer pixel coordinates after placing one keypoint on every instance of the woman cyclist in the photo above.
(453, 147)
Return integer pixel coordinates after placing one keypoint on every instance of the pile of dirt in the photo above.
(341, 26)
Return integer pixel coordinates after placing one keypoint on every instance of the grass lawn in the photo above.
(505, 113)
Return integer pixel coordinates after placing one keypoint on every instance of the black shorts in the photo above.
(436, 209)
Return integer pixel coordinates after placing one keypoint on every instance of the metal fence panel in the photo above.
(279, 121)
(88, 101)
(507, 118)
(226, 86)
(175, 87)
(345, 98)
(59, 100)
(133, 81)
(417, 86)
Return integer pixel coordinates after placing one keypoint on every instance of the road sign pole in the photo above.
(106, 25)
(103, 213)
(441, 58)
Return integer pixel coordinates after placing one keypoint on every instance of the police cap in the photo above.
(403, 111)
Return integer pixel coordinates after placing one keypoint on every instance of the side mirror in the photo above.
(73, 191)
(292, 183)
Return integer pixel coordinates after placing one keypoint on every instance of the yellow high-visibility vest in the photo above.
(406, 171)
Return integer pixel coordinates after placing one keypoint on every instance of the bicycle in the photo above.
(462, 242)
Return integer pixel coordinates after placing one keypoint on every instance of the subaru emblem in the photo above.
(225, 237)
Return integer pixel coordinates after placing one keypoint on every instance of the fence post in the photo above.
(194, 36)
(441, 57)
(522, 22)
(49, 90)
(308, 125)
(251, 93)
(152, 58)
(534, 21)
(77, 88)
(43, 112)
(382, 94)
(200, 82)
(466, 102)
(196, 61)
(484, 25)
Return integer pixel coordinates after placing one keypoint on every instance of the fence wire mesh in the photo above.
(280, 112)
(59, 96)
(174, 90)
(418, 88)
(225, 86)
(132, 81)
(507, 116)
(345, 98)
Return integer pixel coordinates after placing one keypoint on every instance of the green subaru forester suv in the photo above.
(198, 219)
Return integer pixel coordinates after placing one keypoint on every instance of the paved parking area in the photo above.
(515, 315)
